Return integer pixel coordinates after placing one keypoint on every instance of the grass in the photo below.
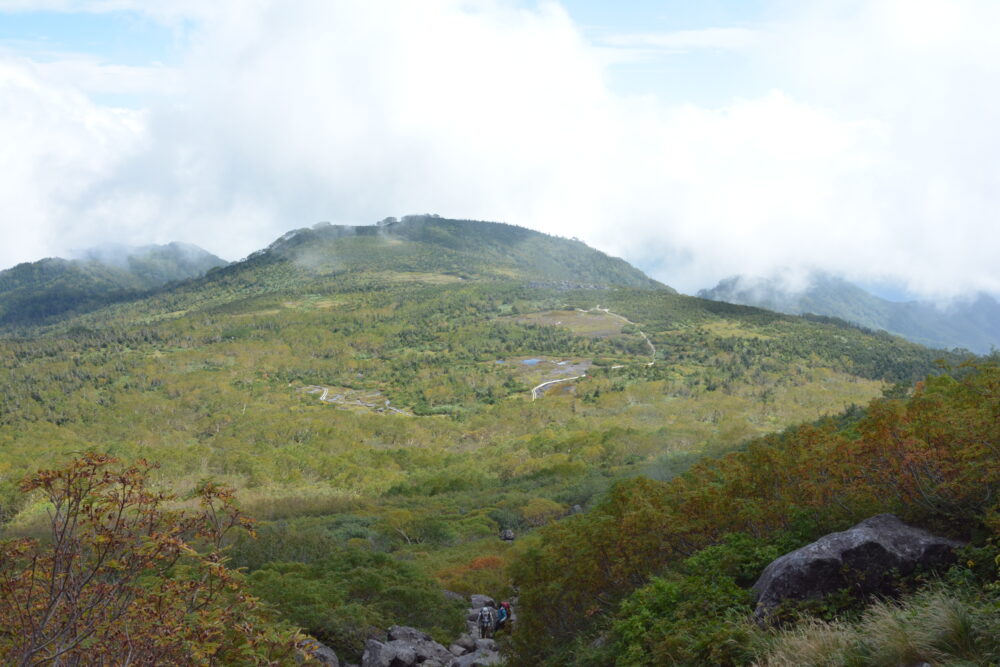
(939, 626)
(590, 324)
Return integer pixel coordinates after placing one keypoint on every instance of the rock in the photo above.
(507, 535)
(456, 650)
(486, 645)
(576, 509)
(864, 558)
(405, 647)
(404, 633)
(378, 654)
(320, 652)
(466, 642)
(477, 659)
(480, 601)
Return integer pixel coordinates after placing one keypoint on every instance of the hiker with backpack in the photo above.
(486, 622)
(502, 615)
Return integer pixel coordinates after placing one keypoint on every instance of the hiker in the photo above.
(486, 622)
(502, 615)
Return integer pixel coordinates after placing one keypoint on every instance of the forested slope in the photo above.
(368, 393)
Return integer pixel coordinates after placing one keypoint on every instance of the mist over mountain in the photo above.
(972, 323)
(34, 292)
(155, 265)
(461, 249)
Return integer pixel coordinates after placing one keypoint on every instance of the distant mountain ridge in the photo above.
(466, 249)
(34, 292)
(973, 324)
(416, 247)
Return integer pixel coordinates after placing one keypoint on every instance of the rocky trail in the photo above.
(409, 647)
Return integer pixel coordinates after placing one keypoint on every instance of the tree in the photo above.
(127, 578)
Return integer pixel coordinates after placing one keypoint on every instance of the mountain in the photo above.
(156, 265)
(463, 249)
(35, 292)
(972, 324)
(387, 399)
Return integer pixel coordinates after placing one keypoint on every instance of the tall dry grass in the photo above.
(939, 626)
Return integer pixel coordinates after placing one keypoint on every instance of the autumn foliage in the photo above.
(930, 458)
(125, 578)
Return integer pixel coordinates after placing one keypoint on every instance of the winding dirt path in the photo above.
(535, 390)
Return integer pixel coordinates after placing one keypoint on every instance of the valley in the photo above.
(403, 417)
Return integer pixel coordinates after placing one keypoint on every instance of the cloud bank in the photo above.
(868, 149)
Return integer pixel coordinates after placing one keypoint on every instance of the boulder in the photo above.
(466, 642)
(320, 652)
(865, 558)
(477, 659)
(404, 633)
(507, 535)
(480, 601)
(378, 654)
(486, 645)
(405, 647)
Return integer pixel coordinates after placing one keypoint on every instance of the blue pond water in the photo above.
(531, 362)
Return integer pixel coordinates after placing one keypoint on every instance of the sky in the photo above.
(696, 139)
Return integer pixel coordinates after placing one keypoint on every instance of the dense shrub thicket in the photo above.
(661, 568)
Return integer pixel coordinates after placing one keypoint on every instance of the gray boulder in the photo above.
(404, 633)
(480, 601)
(507, 535)
(467, 642)
(477, 659)
(405, 647)
(320, 652)
(865, 558)
(486, 645)
(378, 654)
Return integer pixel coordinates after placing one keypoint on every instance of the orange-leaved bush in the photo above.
(126, 578)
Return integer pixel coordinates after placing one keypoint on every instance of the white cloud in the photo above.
(56, 145)
(868, 150)
(727, 39)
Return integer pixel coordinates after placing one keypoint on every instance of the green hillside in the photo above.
(42, 291)
(971, 324)
(395, 395)
(463, 249)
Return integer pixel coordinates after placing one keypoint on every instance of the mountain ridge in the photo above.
(53, 287)
(465, 248)
(973, 324)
